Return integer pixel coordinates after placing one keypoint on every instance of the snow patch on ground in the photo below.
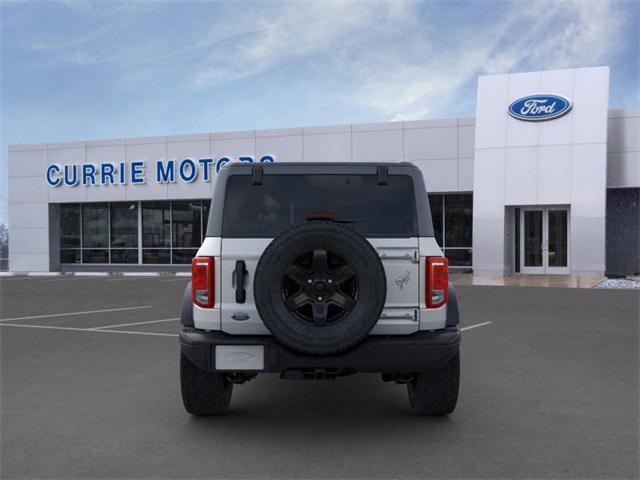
(618, 283)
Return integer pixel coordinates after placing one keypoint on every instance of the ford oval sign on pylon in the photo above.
(540, 107)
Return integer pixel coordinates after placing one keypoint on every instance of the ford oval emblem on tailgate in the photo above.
(240, 316)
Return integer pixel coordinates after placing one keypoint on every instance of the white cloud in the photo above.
(389, 57)
(294, 31)
(531, 35)
(236, 40)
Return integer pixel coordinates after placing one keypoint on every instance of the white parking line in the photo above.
(73, 329)
(125, 279)
(74, 313)
(104, 329)
(475, 326)
(69, 278)
(135, 323)
(20, 278)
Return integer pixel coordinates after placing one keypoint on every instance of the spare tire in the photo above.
(320, 288)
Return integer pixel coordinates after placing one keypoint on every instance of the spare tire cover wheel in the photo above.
(320, 288)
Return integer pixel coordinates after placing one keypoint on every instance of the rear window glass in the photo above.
(282, 201)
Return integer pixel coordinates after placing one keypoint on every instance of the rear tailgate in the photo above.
(258, 208)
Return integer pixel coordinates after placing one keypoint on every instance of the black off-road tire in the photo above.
(203, 393)
(436, 392)
(365, 306)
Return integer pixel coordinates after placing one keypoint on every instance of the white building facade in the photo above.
(545, 179)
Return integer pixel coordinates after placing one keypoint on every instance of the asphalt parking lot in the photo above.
(549, 390)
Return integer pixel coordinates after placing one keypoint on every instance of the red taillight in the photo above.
(202, 283)
(437, 278)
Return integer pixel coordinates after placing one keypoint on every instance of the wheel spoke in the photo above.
(319, 261)
(342, 274)
(320, 314)
(321, 293)
(296, 301)
(297, 274)
(343, 301)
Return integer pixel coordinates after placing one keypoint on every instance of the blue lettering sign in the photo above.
(222, 161)
(206, 168)
(71, 175)
(137, 172)
(51, 180)
(166, 174)
(122, 170)
(188, 174)
(88, 174)
(121, 173)
(106, 173)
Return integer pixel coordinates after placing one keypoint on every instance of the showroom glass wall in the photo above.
(452, 215)
(164, 232)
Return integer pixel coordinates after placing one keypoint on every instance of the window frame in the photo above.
(442, 200)
(139, 224)
(71, 249)
(236, 178)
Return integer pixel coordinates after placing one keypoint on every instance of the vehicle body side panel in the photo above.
(249, 250)
(404, 312)
(430, 318)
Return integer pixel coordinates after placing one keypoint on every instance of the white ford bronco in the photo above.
(315, 271)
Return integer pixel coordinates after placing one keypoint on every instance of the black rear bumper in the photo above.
(418, 352)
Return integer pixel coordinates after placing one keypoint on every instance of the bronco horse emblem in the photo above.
(403, 280)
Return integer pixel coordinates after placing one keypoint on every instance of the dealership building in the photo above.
(545, 179)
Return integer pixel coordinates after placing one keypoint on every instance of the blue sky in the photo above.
(75, 70)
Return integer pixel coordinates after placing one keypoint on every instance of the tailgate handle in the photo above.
(399, 254)
(239, 276)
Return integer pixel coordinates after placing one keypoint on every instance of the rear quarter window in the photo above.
(282, 201)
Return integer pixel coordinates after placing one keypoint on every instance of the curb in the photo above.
(141, 274)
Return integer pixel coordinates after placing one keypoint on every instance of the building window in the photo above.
(95, 225)
(124, 232)
(95, 233)
(95, 255)
(452, 215)
(436, 204)
(186, 218)
(156, 232)
(205, 216)
(99, 233)
(124, 255)
(70, 238)
(171, 232)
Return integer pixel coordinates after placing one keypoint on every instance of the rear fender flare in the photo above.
(453, 314)
(186, 312)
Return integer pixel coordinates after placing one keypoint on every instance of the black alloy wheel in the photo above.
(320, 287)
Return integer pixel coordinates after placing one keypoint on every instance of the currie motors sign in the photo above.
(540, 107)
(135, 172)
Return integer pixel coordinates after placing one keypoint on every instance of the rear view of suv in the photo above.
(316, 271)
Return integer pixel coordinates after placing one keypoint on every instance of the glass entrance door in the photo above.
(533, 241)
(544, 242)
(557, 241)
